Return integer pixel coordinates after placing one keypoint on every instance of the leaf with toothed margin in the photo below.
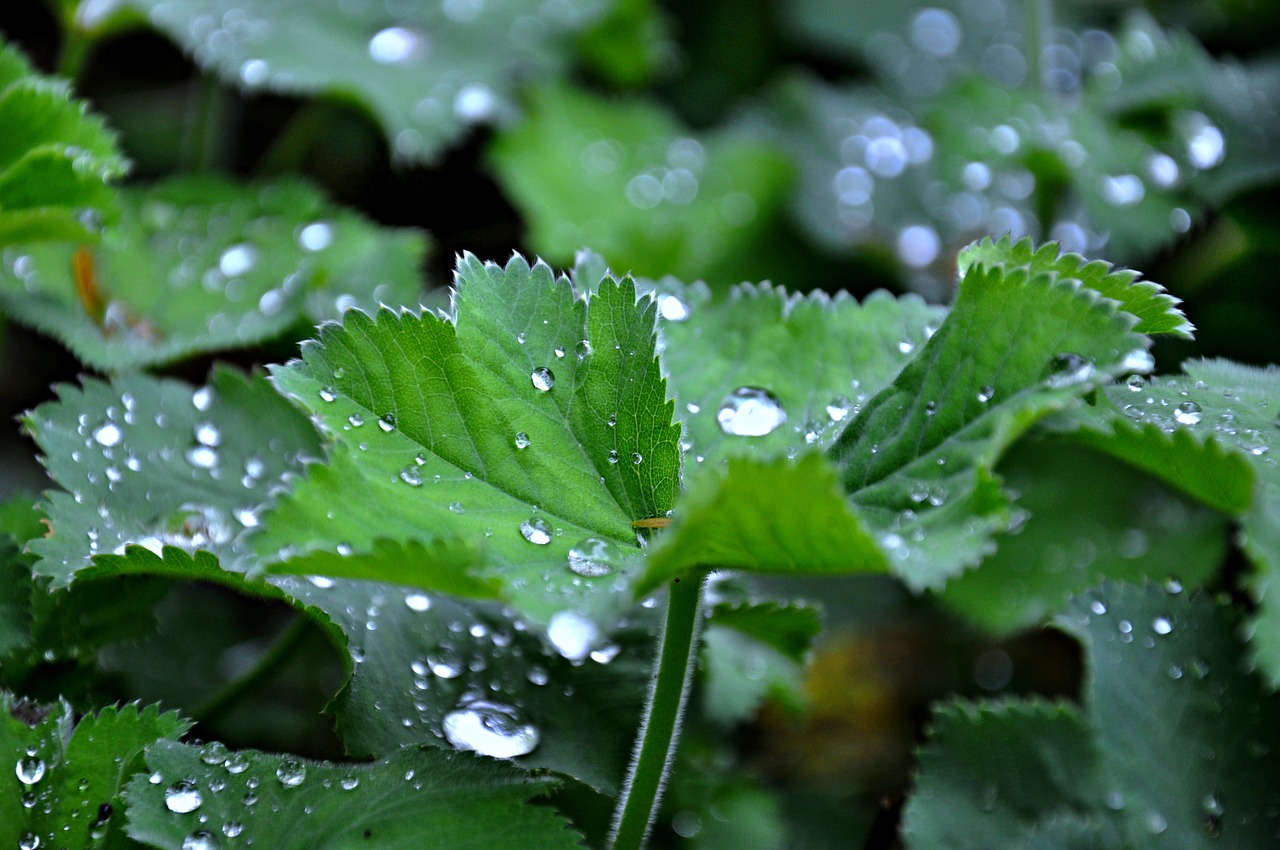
(149, 462)
(56, 159)
(733, 521)
(416, 797)
(1121, 525)
(918, 460)
(534, 426)
(426, 72)
(72, 773)
(819, 357)
(1212, 433)
(200, 264)
(1175, 742)
(1156, 310)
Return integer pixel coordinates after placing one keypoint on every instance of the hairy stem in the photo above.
(656, 746)
(235, 690)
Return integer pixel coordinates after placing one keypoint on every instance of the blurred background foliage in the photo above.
(822, 144)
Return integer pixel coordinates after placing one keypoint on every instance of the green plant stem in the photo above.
(233, 691)
(288, 153)
(1039, 28)
(76, 44)
(657, 744)
(204, 139)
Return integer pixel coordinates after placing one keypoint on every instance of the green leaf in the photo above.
(417, 797)
(1173, 746)
(995, 774)
(820, 357)
(1201, 432)
(150, 463)
(532, 424)
(56, 160)
(1015, 348)
(1157, 311)
(200, 264)
(1086, 518)
(625, 178)
(72, 773)
(754, 651)
(733, 522)
(426, 72)
(15, 597)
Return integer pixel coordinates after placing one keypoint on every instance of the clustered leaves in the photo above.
(481, 506)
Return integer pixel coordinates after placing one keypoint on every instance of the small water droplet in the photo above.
(906, 347)
(182, 797)
(750, 412)
(395, 45)
(202, 457)
(613, 456)
(1069, 369)
(536, 531)
(315, 236)
(232, 828)
(291, 772)
(387, 422)
(202, 399)
(1187, 413)
(838, 408)
(542, 379)
(582, 349)
(475, 103)
(1161, 625)
(349, 783)
(593, 557)
(637, 458)
(200, 840)
(522, 440)
(328, 394)
(356, 420)
(491, 729)
(418, 602)
(411, 475)
(986, 393)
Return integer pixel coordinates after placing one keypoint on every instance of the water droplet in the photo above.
(108, 435)
(491, 729)
(200, 840)
(613, 456)
(572, 635)
(418, 602)
(328, 394)
(522, 440)
(29, 841)
(671, 308)
(395, 45)
(232, 828)
(1161, 625)
(1069, 369)
(838, 408)
(214, 753)
(1124, 190)
(291, 772)
(906, 347)
(387, 422)
(918, 245)
(1187, 413)
(30, 770)
(1156, 823)
(349, 783)
(237, 260)
(935, 31)
(446, 664)
(542, 379)
(202, 457)
(536, 531)
(986, 393)
(1206, 147)
(202, 399)
(475, 103)
(356, 420)
(1136, 383)
(182, 797)
(750, 412)
(207, 434)
(411, 475)
(637, 458)
(593, 557)
(582, 349)
(316, 236)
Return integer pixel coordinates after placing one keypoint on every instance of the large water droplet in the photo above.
(491, 729)
(671, 308)
(238, 260)
(387, 422)
(536, 531)
(750, 412)
(182, 797)
(542, 379)
(30, 770)
(1187, 413)
(593, 557)
(316, 236)
(417, 602)
(394, 45)
(572, 635)
(108, 435)
(200, 840)
(838, 408)
(291, 772)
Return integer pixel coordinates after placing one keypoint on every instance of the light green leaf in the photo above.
(751, 652)
(426, 72)
(201, 264)
(733, 522)
(820, 357)
(1172, 749)
(1157, 311)
(1201, 432)
(625, 178)
(995, 774)
(417, 797)
(532, 425)
(56, 160)
(71, 774)
(1015, 348)
(1086, 518)
(150, 463)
